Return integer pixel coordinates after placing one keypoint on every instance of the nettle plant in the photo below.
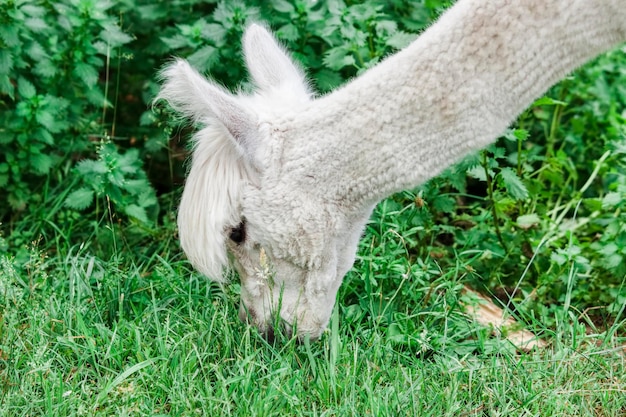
(334, 40)
(54, 67)
(114, 178)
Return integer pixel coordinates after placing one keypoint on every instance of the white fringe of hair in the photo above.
(217, 170)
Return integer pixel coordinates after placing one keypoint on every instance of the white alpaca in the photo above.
(285, 182)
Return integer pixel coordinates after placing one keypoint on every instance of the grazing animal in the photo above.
(282, 183)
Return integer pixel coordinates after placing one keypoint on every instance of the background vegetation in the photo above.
(101, 315)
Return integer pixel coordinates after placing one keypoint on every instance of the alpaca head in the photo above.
(251, 201)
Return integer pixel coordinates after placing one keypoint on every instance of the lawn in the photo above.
(132, 335)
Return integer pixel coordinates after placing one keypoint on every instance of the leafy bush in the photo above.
(52, 56)
(73, 81)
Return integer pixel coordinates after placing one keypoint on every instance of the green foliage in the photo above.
(51, 99)
(76, 71)
(118, 178)
(333, 40)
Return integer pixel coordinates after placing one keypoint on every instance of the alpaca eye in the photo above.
(238, 234)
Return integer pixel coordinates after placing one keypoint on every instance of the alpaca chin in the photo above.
(296, 305)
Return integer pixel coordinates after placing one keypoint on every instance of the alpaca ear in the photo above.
(271, 68)
(195, 97)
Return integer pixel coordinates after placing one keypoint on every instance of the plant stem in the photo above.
(494, 210)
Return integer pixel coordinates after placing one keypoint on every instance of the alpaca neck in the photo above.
(451, 92)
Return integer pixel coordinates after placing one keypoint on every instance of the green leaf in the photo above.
(114, 36)
(139, 213)
(57, 103)
(25, 88)
(232, 13)
(136, 187)
(400, 39)
(147, 118)
(204, 58)
(6, 86)
(388, 28)
(35, 24)
(609, 249)
(213, 32)
(156, 143)
(593, 204)
(614, 261)
(336, 7)
(6, 61)
(288, 32)
(116, 179)
(548, 101)
(35, 51)
(444, 203)
(129, 162)
(152, 11)
(396, 333)
(497, 153)
(86, 73)
(527, 221)
(558, 257)
(41, 163)
(80, 199)
(477, 172)
(515, 135)
(338, 58)
(45, 68)
(521, 134)
(4, 174)
(283, 6)
(17, 200)
(88, 167)
(33, 10)
(47, 120)
(611, 200)
(355, 36)
(10, 35)
(327, 79)
(176, 42)
(95, 96)
(6, 138)
(513, 184)
(148, 198)
(42, 135)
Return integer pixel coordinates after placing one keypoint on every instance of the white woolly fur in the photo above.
(304, 173)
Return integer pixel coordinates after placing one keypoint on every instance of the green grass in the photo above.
(80, 335)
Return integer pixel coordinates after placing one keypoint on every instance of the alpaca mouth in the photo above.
(250, 317)
(285, 321)
(266, 329)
